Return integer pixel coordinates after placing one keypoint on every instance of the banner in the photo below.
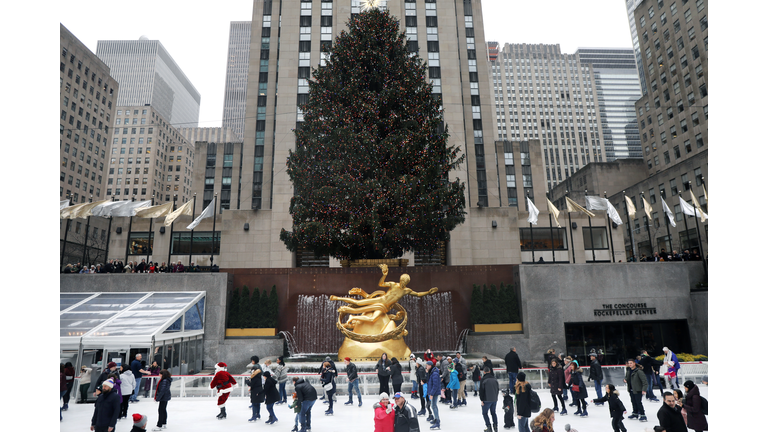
(533, 212)
(597, 203)
(553, 211)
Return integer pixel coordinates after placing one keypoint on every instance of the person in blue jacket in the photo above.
(107, 408)
(433, 390)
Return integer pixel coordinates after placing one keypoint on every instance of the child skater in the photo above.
(615, 406)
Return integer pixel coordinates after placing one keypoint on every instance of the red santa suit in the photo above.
(224, 382)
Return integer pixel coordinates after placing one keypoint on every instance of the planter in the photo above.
(251, 332)
(489, 328)
(375, 262)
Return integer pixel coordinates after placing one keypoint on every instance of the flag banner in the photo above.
(630, 207)
(706, 197)
(129, 208)
(63, 204)
(690, 210)
(572, 207)
(105, 210)
(647, 207)
(696, 204)
(666, 209)
(533, 212)
(84, 210)
(597, 203)
(554, 212)
(208, 212)
(155, 211)
(186, 209)
(66, 213)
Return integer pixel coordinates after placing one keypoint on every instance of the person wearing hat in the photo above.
(224, 383)
(421, 378)
(306, 395)
(111, 368)
(383, 414)
(433, 390)
(271, 395)
(413, 377)
(406, 419)
(522, 402)
(669, 356)
(596, 374)
(489, 396)
(107, 408)
(697, 420)
(139, 423)
(256, 389)
(353, 382)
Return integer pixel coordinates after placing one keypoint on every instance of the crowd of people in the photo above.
(674, 256)
(436, 379)
(117, 266)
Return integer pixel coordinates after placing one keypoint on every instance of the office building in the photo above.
(615, 76)
(631, 6)
(237, 77)
(148, 75)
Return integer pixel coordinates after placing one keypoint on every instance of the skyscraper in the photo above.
(148, 75)
(617, 90)
(631, 6)
(237, 77)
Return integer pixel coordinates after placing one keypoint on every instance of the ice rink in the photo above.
(199, 414)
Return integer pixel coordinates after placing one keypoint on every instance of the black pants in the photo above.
(396, 387)
(637, 403)
(447, 394)
(422, 398)
(162, 414)
(69, 392)
(330, 398)
(618, 425)
(124, 406)
(384, 384)
(555, 397)
(581, 403)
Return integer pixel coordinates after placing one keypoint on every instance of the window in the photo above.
(670, 113)
(683, 61)
(687, 145)
(691, 99)
(695, 118)
(676, 151)
(595, 238)
(680, 44)
(543, 239)
(687, 15)
(139, 243)
(695, 52)
(666, 157)
(673, 8)
(699, 141)
(703, 23)
(680, 106)
(678, 213)
(684, 179)
(650, 12)
(676, 25)
(676, 87)
(697, 175)
(703, 90)
(673, 186)
(197, 243)
(699, 5)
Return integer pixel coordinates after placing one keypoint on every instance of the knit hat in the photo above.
(413, 355)
(140, 420)
(111, 365)
(327, 358)
(109, 383)
(429, 363)
(220, 366)
(567, 427)
(267, 374)
(384, 396)
(419, 361)
(347, 359)
(521, 376)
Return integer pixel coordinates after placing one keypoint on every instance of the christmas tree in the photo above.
(371, 165)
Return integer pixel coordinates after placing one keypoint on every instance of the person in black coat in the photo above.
(163, 396)
(596, 374)
(523, 401)
(579, 396)
(512, 361)
(257, 392)
(670, 417)
(107, 408)
(328, 377)
(556, 384)
(271, 395)
(615, 406)
(406, 419)
(651, 370)
(697, 420)
(383, 374)
(306, 395)
(395, 370)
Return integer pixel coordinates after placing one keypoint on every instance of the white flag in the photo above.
(572, 207)
(129, 208)
(696, 204)
(69, 212)
(157, 211)
(647, 207)
(630, 207)
(105, 210)
(83, 211)
(597, 203)
(208, 212)
(689, 210)
(553, 211)
(186, 209)
(670, 216)
(533, 212)
(63, 204)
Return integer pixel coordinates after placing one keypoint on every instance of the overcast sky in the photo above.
(196, 33)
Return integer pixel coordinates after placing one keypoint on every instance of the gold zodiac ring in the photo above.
(398, 333)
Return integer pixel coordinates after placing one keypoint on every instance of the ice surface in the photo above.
(199, 414)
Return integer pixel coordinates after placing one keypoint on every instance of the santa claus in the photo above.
(224, 382)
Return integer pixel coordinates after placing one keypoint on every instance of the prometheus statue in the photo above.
(370, 329)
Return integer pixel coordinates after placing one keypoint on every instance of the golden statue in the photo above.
(370, 329)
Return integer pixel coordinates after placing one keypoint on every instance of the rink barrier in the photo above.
(184, 386)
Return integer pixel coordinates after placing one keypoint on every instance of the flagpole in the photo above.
(530, 225)
(666, 216)
(149, 236)
(573, 248)
(170, 244)
(552, 238)
(631, 227)
(698, 235)
(192, 233)
(128, 241)
(213, 234)
(109, 235)
(66, 231)
(648, 225)
(87, 227)
(610, 230)
(591, 238)
(685, 220)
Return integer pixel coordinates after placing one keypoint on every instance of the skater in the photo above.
(433, 390)
(693, 405)
(429, 356)
(670, 418)
(297, 410)
(477, 375)
(489, 396)
(163, 395)
(85, 382)
(636, 385)
(151, 380)
(512, 361)
(421, 379)
(107, 408)
(257, 390)
(650, 369)
(62, 388)
(578, 390)
(596, 374)
(111, 368)
(271, 395)
(461, 370)
(127, 384)
(382, 373)
(383, 415)
(509, 409)
(670, 376)
(395, 371)
(567, 373)
(543, 422)
(69, 376)
(406, 419)
(412, 376)
(453, 384)
(669, 356)
(307, 395)
(556, 384)
(329, 385)
(139, 423)
(224, 383)
(138, 372)
(281, 375)
(522, 402)
(615, 406)
(353, 382)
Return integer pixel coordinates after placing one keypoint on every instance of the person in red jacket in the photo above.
(429, 356)
(384, 414)
(224, 382)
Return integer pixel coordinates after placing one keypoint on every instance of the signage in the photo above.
(618, 309)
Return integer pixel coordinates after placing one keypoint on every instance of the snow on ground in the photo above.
(199, 414)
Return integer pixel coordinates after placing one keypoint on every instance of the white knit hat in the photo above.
(384, 395)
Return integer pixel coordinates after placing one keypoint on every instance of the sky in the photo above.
(196, 33)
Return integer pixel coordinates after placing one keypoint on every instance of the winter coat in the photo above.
(433, 382)
(477, 374)
(270, 391)
(489, 388)
(692, 404)
(381, 367)
(636, 380)
(556, 380)
(281, 374)
(649, 364)
(163, 391)
(421, 374)
(615, 406)
(567, 373)
(383, 421)
(296, 405)
(445, 374)
(513, 362)
(577, 378)
(670, 419)
(523, 400)
(595, 371)
(62, 382)
(85, 377)
(670, 356)
(69, 374)
(327, 377)
(406, 419)
(488, 364)
(453, 380)
(127, 382)
(304, 391)
(106, 410)
(118, 385)
(103, 376)
(257, 388)
(430, 357)
(396, 371)
(461, 369)
(542, 428)
(351, 372)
